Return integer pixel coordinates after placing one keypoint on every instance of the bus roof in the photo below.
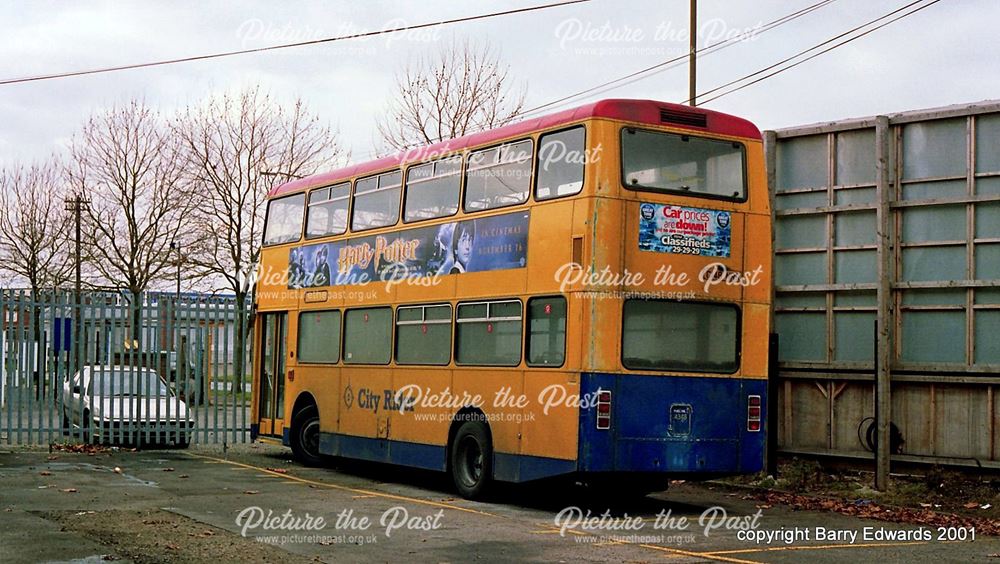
(643, 111)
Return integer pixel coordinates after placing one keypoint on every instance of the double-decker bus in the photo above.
(585, 294)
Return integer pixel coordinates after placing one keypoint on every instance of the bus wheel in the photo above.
(472, 459)
(305, 436)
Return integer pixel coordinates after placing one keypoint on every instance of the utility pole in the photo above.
(175, 246)
(692, 54)
(77, 205)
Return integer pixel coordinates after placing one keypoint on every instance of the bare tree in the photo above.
(461, 89)
(237, 149)
(128, 162)
(34, 227)
(33, 238)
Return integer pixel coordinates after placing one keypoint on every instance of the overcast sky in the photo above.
(946, 54)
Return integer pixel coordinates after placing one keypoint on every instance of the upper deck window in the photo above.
(498, 176)
(327, 213)
(561, 158)
(694, 166)
(432, 189)
(284, 219)
(376, 201)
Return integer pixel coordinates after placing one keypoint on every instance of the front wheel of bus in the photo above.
(305, 436)
(472, 459)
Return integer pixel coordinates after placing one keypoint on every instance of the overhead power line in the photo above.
(636, 76)
(814, 47)
(286, 45)
(674, 62)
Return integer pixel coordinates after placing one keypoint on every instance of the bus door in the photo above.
(271, 398)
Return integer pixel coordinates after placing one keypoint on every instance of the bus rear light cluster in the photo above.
(753, 413)
(603, 409)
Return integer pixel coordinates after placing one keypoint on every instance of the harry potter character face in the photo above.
(465, 237)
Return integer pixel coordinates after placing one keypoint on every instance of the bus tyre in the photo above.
(305, 436)
(472, 459)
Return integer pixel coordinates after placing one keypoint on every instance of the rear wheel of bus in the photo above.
(304, 437)
(471, 460)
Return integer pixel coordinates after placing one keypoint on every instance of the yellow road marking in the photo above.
(814, 547)
(343, 488)
(705, 555)
(668, 552)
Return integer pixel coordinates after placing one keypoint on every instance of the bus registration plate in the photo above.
(680, 420)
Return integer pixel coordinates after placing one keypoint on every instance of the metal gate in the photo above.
(162, 369)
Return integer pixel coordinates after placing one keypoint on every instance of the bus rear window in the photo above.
(667, 162)
(680, 336)
(284, 219)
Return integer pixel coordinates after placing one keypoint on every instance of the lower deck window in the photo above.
(682, 336)
(368, 335)
(319, 336)
(489, 333)
(423, 334)
(546, 331)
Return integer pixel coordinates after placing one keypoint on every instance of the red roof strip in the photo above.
(642, 111)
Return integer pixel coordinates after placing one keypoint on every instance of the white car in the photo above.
(127, 404)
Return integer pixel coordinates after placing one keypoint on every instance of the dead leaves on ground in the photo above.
(866, 509)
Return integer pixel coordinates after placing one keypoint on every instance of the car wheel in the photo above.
(471, 460)
(182, 441)
(305, 436)
(66, 426)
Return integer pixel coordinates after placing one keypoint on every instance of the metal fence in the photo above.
(894, 220)
(164, 369)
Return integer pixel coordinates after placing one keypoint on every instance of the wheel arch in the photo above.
(303, 401)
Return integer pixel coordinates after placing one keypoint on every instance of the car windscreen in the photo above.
(127, 383)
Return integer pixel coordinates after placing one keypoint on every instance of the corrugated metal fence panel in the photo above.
(158, 371)
(944, 170)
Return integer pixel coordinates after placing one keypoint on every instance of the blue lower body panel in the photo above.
(404, 453)
(672, 424)
(659, 425)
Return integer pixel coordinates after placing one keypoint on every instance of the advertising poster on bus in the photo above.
(472, 245)
(685, 231)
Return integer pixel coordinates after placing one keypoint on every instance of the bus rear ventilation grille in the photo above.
(683, 118)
